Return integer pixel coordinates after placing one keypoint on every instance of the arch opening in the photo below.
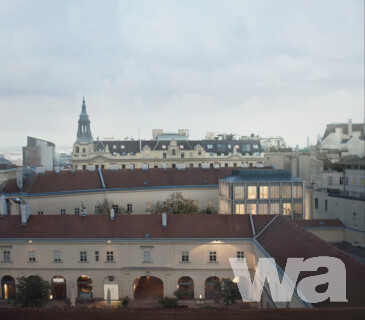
(211, 288)
(7, 287)
(148, 288)
(84, 287)
(58, 287)
(185, 286)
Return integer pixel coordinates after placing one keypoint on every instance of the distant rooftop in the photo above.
(264, 174)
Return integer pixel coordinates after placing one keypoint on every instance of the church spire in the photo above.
(84, 132)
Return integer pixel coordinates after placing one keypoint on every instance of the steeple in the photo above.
(84, 132)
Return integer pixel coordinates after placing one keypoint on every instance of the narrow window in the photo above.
(325, 205)
(129, 207)
(6, 255)
(146, 256)
(83, 256)
(96, 255)
(31, 255)
(316, 203)
(57, 256)
(211, 203)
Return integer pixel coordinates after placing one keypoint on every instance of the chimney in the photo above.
(3, 206)
(164, 219)
(349, 128)
(112, 214)
(25, 213)
(19, 178)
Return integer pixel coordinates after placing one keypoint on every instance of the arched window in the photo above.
(77, 149)
(211, 288)
(185, 288)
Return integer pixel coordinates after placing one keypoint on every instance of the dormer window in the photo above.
(163, 146)
(114, 146)
(210, 146)
(181, 146)
(122, 146)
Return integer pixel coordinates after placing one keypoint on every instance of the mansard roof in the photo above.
(124, 147)
(331, 128)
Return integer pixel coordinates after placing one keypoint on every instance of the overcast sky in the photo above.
(270, 67)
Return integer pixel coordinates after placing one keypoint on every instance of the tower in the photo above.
(84, 132)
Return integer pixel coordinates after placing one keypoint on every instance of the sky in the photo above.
(269, 67)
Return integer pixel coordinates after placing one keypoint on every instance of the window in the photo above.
(263, 208)
(199, 152)
(212, 256)
(210, 204)
(286, 192)
(354, 181)
(361, 181)
(251, 208)
(96, 255)
(182, 155)
(84, 167)
(57, 256)
(114, 146)
(129, 207)
(330, 181)
(96, 209)
(191, 165)
(148, 206)
(251, 192)
(40, 213)
(298, 192)
(115, 207)
(164, 155)
(147, 256)
(347, 180)
(275, 208)
(325, 205)
(122, 146)
(181, 146)
(298, 208)
(274, 192)
(239, 192)
(287, 208)
(210, 146)
(341, 180)
(83, 150)
(240, 208)
(63, 212)
(191, 154)
(185, 256)
(31, 256)
(195, 203)
(77, 150)
(264, 192)
(226, 165)
(123, 166)
(173, 152)
(240, 255)
(109, 256)
(6, 255)
(77, 210)
(102, 166)
(316, 203)
(83, 256)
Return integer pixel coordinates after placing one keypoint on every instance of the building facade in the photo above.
(39, 153)
(270, 191)
(165, 150)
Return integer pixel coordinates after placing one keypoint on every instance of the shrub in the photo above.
(125, 302)
(168, 302)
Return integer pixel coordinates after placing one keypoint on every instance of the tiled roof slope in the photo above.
(331, 128)
(285, 239)
(83, 180)
(127, 226)
(320, 223)
(160, 177)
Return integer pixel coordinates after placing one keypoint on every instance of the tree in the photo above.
(228, 291)
(32, 291)
(175, 204)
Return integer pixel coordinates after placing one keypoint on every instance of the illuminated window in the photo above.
(239, 192)
(287, 208)
(252, 192)
(181, 146)
(286, 192)
(163, 146)
(264, 192)
(210, 203)
(275, 208)
(354, 181)
(274, 192)
(148, 206)
(251, 208)
(263, 208)
(240, 208)
(298, 192)
(361, 181)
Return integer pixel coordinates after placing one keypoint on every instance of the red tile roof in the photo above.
(320, 223)
(285, 239)
(127, 226)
